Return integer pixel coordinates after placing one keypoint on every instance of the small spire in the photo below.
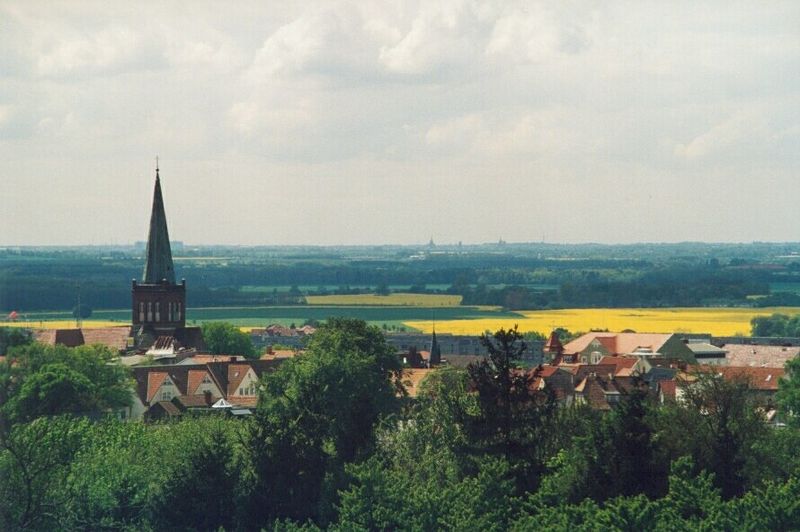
(156, 166)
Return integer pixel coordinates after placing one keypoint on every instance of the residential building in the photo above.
(198, 386)
(592, 347)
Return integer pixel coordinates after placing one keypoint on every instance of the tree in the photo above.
(719, 424)
(34, 463)
(51, 380)
(223, 338)
(54, 388)
(788, 396)
(205, 472)
(12, 337)
(316, 413)
(513, 416)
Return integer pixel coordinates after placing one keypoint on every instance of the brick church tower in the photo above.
(159, 303)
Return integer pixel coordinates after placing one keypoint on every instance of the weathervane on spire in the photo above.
(156, 165)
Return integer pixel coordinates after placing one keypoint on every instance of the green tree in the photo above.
(50, 380)
(223, 338)
(205, 471)
(34, 464)
(720, 425)
(788, 396)
(316, 413)
(513, 417)
(12, 337)
(54, 388)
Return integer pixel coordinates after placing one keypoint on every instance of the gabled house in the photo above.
(592, 347)
(625, 366)
(198, 386)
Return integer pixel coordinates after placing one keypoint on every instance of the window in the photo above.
(179, 313)
(166, 395)
(149, 311)
(158, 311)
(141, 311)
(206, 380)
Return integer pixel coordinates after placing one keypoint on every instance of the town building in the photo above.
(591, 347)
(198, 386)
(454, 347)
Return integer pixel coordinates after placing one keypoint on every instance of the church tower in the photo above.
(159, 303)
(435, 358)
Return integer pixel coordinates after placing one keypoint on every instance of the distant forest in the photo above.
(532, 276)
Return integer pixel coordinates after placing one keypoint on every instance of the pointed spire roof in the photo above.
(553, 344)
(158, 265)
(435, 358)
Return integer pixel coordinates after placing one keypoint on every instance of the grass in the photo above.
(716, 321)
(391, 300)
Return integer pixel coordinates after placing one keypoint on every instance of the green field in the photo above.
(286, 315)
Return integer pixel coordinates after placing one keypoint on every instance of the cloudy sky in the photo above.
(388, 122)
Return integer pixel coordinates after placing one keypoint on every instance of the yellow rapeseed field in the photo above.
(62, 324)
(391, 300)
(717, 321)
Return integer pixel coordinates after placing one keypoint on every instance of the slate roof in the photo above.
(703, 349)
(158, 262)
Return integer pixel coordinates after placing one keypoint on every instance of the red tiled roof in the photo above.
(250, 401)
(169, 408)
(114, 337)
(67, 337)
(412, 377)
(764, 379)
(154, 381)
(618, 343)
(194, 380)
(772, 356)
(553, 343)
(545, 371)
(668, 389)
(236, 373)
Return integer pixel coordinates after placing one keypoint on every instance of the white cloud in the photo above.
(439, 99)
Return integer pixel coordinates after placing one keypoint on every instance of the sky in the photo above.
(395, 122)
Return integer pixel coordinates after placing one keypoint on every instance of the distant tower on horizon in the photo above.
(159, 303)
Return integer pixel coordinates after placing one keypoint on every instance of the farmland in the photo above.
(455, 319)
(390, 300)
(717, 321)
(391, 316)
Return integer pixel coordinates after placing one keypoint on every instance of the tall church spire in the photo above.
(435, 358)
(158, 265)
